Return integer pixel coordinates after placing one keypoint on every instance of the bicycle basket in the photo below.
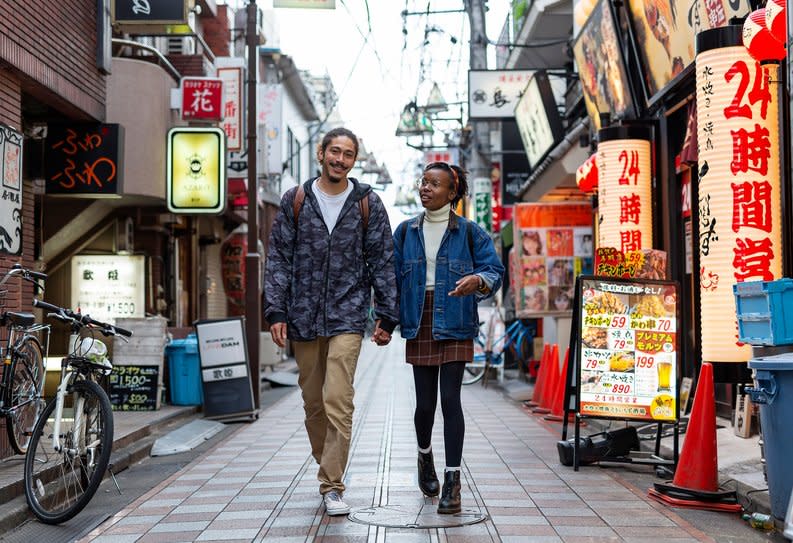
(95, 353)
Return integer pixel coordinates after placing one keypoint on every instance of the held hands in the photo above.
(278, 332)
(380, 336)
(466, 286)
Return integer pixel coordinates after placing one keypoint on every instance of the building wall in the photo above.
(135, 84)
(54, 45)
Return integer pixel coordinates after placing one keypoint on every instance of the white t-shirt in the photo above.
(330, 205)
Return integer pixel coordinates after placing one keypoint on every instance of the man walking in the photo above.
(330, 246)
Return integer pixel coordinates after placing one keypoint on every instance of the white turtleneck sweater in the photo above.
(435, 223)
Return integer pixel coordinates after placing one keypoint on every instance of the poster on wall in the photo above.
(554, 244)
(664, 34)
(601, 67)
(628, 345)
(11, 203)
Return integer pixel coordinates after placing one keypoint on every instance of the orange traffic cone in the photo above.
(696, 481)
(557, 403)
(539, 383)
(550, 384)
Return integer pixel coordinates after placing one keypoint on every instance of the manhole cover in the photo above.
(414, 516)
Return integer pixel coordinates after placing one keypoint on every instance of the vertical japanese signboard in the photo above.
(269, 104)
(109, 286)
(554, 245)
(196, 170)
(84, 159)
(624, 165)
(483, 207)
(11, 203)
(627, 348)
(202, 99)
(538, 119)
(231, 76)
(740, 210)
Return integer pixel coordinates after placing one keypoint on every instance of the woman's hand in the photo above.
(380, 336)
(466, 286)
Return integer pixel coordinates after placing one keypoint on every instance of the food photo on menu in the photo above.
(628, 358)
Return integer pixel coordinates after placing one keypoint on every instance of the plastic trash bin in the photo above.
(773, 391)
(184, 371)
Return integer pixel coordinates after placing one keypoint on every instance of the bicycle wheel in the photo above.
(474, 371)
(60, 483)
(27, 384)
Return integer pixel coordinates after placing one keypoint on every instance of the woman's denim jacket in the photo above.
(454, 317)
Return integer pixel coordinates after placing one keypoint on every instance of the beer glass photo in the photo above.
(664, 376)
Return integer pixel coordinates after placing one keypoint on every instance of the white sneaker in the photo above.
(334, 504)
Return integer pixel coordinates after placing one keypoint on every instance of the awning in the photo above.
(559, 167)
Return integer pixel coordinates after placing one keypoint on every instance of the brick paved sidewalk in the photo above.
(261, 485)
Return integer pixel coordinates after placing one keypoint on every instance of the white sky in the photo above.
(376, 79)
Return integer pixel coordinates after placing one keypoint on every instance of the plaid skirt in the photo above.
(423, 350)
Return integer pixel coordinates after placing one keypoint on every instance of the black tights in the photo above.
(451, 380)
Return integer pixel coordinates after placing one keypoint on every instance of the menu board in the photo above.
(134, 388)
(554, 245)
(628, 345)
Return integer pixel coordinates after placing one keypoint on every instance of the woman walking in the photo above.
(444, 265)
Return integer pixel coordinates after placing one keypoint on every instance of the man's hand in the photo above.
(278, 332)
(380, 336)
(466, 286)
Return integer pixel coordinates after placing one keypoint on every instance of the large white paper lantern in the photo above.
(625, 179)
(740, 217)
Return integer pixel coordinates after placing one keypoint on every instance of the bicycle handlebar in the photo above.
(63, 314)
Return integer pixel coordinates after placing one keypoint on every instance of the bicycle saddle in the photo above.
(21, 319)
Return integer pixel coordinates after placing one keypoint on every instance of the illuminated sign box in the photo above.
(147, 12)
(196, 176)
(107, 287)
(202, 98)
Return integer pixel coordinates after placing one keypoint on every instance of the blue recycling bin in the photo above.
(773, 391)
(184, 371)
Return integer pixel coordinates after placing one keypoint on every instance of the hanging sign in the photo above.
(196, 170)
(538, 119)
(231, 76)
(483, 207)
(11, 203)
(740, 209)
(148, 12)
(493, 94)
(624, 166)
(628, 345)
(84, 159)
(202, 98)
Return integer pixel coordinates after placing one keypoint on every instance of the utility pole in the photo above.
(480, 164)
(253, 289)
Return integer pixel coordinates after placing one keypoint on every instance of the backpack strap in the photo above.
(300, 195)
(297, 203)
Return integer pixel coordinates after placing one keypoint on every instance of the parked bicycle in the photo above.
(492, 344)
(23, 354)
(70, 446)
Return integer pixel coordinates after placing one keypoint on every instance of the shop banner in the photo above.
(483, 206)
(84, 159)
(554, 244)
(628, 345)
(11, 203)
(232, 124)
(664, 34)
(109, 286)
(202, 98)
(493, 94)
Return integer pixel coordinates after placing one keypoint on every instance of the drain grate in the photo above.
(407, 516)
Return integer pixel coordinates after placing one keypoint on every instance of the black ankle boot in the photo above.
(428, 480)
(450, 497)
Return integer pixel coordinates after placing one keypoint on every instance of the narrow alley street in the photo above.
(260, 484)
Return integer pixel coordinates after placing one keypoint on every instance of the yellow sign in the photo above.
(196, 180)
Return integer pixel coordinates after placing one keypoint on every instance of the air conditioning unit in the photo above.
(125, 235)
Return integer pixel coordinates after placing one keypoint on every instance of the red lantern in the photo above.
(776, 20)
(587, 175)
(757, 39)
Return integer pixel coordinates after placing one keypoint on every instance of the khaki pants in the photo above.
(327, 368)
